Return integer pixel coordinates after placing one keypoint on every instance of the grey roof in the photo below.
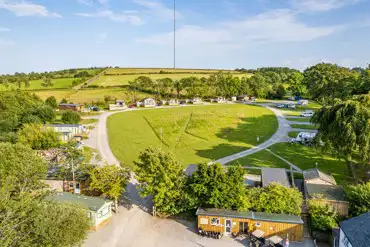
(92, 203)
(63, 125)
(283, 218)
(190, 169)
(316, 173)
(330, 192)
(357, 230)
(278, 175)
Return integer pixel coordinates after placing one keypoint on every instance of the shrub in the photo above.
(71, 117)
(52, 102)
(323, 216)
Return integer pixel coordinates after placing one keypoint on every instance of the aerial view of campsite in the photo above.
(184, 123)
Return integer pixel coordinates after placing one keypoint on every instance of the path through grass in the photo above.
(194, 134)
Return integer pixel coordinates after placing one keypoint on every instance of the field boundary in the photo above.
(89, 81)
(155, 132)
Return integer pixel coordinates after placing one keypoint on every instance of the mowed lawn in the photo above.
(194, 134)
(116, 80)
(302, 156)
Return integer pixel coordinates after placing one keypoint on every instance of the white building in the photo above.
(119, 105)
(196, 101)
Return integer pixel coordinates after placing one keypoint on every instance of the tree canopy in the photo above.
(359, 198)
(38, 137)
(275, 198)
(161, 176)
(111, 180)
(71, 117)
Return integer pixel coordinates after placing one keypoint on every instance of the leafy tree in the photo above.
(178, 86)
(257, 85)
(52, 102)
(296, 85)
(37, 137)
(20, 168)
(323, 216)
(278, 91)
(46, 82)
(44, 112)
(326, 82)
(63, 101)
(111, 180)
(71, 117)
(359, 198)
(344, 128)
(212, 187)
(275, 198)
(161, 176)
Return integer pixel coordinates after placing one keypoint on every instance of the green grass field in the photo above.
(117, 80)
(36, 84)
(302, 156)
(305, 126)
(194, 134)
(293, 134)
(117, 71)
(302, 119)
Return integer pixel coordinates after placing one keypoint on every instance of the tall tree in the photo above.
(326, 82)
(111, 180)
(52, 102)
(296, 85)
(161, 176)
(212, 187)
(344, 128)
(71, 117)
(20, 168)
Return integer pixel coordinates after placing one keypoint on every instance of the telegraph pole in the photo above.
(174, 34)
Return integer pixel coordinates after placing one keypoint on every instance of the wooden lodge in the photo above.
(229, 221)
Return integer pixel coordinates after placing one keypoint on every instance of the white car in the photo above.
(306, 114)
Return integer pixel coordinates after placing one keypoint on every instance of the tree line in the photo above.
(23, 79)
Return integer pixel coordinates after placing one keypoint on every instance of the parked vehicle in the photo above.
(131, 106)
(280, 106)
(302, 102)
(307, 113)
(305, 138)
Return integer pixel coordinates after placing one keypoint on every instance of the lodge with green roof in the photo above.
(98, 209)
(230, 221)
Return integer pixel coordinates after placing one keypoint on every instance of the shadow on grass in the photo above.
(249, 128)
(220, 151)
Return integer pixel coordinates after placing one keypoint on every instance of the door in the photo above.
(228, 226)
(77, 188)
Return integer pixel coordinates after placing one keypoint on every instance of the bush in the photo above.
(52, 102)
(359, 198)
(323, 216)
(37, 137)
(71, 117)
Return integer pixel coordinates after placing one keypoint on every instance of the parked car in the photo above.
(280, 106)
(131, 106)
(94, 108)
(308, 113)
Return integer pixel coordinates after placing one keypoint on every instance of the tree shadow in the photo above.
(220, 151)
(131, 198)
(249, 128)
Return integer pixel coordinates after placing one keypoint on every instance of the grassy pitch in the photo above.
(194, 134)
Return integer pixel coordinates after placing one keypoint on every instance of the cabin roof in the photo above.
(92, 203)
(316, 173)
(330, 192)
(65, 104)
(283, 218)
(357, 229)
(277, 175)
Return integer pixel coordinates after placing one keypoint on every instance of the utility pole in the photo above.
(174, 34)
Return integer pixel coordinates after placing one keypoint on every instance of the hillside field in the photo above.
(118, 80)
(122, 71)
(194, 133)
(36, 84)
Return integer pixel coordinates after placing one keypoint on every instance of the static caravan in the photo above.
(229, 221)
(220, 100)
(173, 102)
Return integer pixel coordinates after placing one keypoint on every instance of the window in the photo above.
(215, 221)
(103, 212)
(243, 227)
